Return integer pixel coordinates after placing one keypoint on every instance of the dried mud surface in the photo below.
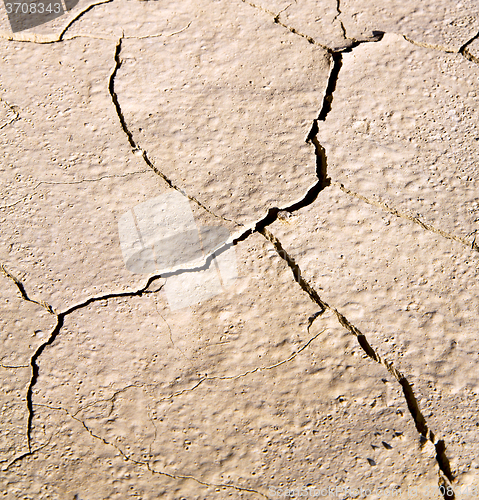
(335, 143)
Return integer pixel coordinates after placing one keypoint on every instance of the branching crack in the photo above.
(276, 19)
(215, 378)
(350, 43)
(260, 227)
(146, 464)
(320, 153)
(22, 291)
(30, 452)
(411, 400)
(53, 335)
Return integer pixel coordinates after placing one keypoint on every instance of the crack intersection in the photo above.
(411, 400)
(445, 474)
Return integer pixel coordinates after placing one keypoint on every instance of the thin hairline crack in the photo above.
(310, 197)
(463, 50)
(141, 463)
(445, 473)
(416, 220)
(60, 317)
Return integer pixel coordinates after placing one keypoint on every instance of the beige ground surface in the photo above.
(239, 251)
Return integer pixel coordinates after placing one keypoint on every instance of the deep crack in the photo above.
(465, 52)
(260, 227)
(411, 400)
(320, 153)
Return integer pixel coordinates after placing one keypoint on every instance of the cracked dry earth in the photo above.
(337, 143)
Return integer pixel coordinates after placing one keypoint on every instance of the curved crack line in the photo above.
(13, 367)
(404, 215)
(23, 292)
(411, 400)
(53, 335)
(111, 399)
(293, 355)
(228, 377)
(275, 365)
(10, 205)
(109, 295)
(176, 32)
(431, 46)
(30, 452)
(337, 17)
(136, 148)
(290, 28)
(146, 463)
(41, 39)
(124, 389)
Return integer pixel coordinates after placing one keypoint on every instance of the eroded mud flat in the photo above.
(238, 250)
